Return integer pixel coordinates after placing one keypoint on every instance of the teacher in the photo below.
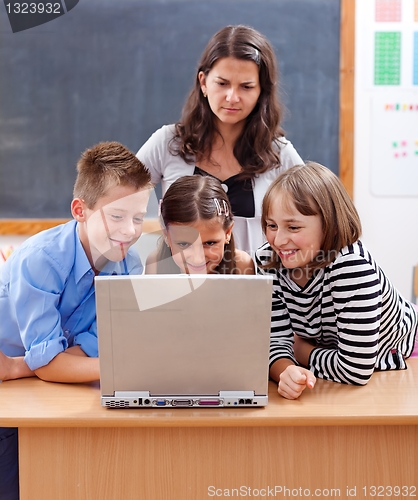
(229, 129)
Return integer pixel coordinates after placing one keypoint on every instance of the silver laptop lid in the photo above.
(183, 335)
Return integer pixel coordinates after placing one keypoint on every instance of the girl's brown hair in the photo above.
(187, 200)
(314, 190)
(256, 149)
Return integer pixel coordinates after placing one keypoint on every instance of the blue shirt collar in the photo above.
(82, 265)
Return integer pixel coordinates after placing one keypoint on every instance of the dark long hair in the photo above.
(256, 149)
(187, 200)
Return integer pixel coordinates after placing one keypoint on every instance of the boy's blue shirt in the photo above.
(47, 300)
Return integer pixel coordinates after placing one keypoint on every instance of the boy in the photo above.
(47, 303)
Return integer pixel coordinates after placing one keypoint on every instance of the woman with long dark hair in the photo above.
(229, 129)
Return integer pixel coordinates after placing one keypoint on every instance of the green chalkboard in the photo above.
(119, 69)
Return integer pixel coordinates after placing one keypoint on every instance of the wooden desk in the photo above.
(334, 437)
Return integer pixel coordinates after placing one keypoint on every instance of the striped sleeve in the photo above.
(281, 333)
(349, 310)
(352, 295)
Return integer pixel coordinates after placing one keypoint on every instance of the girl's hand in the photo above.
(294, 380)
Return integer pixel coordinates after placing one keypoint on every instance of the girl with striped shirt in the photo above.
(335, 315)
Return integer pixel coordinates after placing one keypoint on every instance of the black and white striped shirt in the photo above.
(352, 312)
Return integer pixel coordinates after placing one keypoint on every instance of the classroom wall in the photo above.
(385, 181)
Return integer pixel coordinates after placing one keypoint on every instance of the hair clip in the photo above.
(218, 206)
(160, 214)
(225, 210)
(257, 56)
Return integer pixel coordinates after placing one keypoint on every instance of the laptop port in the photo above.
(248, 401)
(160, 402)
(147, 402)
(241, 402)
(182, 402)
(209, 402)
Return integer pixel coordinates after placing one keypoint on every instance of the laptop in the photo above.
(183, 340)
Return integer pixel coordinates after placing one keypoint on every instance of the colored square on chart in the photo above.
(415, 70)
(388, 11)
(416, 11)
(387, 58)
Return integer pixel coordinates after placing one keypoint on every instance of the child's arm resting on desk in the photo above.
(356, 300)
(61, 315)
(13, 368)
(292, 379)
(70, 366)
(73, 365)
(285, 352)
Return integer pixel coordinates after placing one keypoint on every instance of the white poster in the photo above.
(394, 152)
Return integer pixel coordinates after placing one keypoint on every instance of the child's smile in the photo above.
(114, 224)
(197, 248)
(296, 238)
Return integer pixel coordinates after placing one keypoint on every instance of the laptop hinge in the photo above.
(132, 394)
(236, 394)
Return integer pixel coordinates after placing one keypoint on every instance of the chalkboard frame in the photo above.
(346, 129)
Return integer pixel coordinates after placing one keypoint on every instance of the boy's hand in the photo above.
(13, 368)
(294, 380)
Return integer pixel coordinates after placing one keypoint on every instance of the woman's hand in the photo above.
(294, 380)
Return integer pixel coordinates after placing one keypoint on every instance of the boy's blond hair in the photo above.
(108, 164)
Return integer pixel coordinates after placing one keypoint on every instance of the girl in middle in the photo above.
(197, 222)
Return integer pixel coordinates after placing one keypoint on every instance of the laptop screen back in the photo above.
(183, 335)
